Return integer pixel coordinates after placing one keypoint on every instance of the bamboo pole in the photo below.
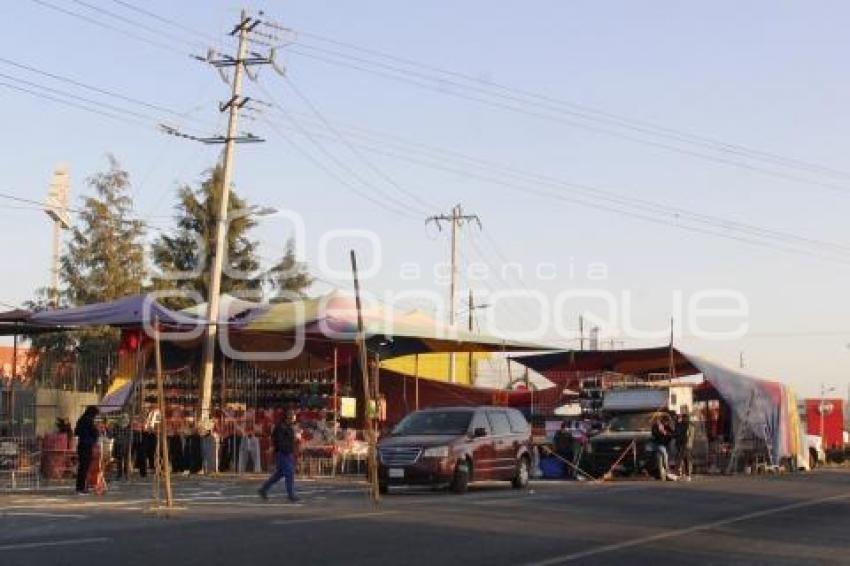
(163, 463)
(372, 460)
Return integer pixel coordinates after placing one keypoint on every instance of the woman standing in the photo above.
(87, 435)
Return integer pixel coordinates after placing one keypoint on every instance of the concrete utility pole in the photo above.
(241, 63)
(457, 219)
(57, 209)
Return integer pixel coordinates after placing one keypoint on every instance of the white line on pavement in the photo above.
(680, 532)
(44, 514)
(52, 543)
(333, 518)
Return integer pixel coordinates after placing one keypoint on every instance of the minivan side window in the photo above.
(518, 422)
(479, 421)
(499, 423)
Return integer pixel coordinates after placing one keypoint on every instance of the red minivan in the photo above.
(455, 446)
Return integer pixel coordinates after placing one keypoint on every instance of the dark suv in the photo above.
(455, 446)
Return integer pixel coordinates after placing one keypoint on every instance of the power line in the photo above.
(97, 111)
(135, 23)
(398, 207)
(586, 112)
(609, 207)
(363, 158)
(77, 97)
(671, 216)
(168, 21)
(104, 25)
(560, 119)
(99, 90)
(330, 172)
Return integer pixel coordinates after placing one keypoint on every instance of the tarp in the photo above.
(638, 361)
(117, 396)
(766, 408)
(133, 311)
(334, 317)
(230, 308)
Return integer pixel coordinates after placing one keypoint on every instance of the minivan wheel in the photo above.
(523, 473)
(460, 480)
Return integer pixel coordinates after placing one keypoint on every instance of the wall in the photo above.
(52, 404)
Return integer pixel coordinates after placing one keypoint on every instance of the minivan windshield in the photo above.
(434, 422)
(631, 422)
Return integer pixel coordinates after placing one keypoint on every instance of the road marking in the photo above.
(686, 531)
(52, 543)
(335, 518)
(45, 514)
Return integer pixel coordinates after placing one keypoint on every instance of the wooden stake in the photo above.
(163, 462)
(372, 459)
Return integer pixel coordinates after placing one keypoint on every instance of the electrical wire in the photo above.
(165, 20)
(136, 24)
(610, 207)
(397, 207)
(97, 111)
(92, 88)
(555, 118)
(584, 111)
(124, 32)
(354, 150)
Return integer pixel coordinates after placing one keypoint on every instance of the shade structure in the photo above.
(637, 361)
(765, 408)
(333, 318)
(132, 311)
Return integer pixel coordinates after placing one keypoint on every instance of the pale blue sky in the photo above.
(767, 75)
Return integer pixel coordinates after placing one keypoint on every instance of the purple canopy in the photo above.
(136, 310)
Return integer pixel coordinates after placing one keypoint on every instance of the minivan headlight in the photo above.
(436, 452)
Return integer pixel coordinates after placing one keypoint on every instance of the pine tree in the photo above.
(181, 253)
(289, 278)
(104, 259)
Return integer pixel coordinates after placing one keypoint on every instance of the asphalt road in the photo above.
(787, 519)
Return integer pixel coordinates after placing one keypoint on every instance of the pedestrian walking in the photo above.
(283, 443)
(87, 435)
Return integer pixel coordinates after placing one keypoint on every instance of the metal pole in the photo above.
(221, 227)
(416, 377)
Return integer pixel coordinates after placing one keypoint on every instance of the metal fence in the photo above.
(20, 463)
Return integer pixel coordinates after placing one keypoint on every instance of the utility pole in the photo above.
(57, 209)
(581, 332)
(457, 219)
(241, 63)
(469, 355)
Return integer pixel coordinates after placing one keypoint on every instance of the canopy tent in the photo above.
(133, 311)
(18, 321)
(230, 309)
(333, 318)
(640, 361)
(766, 409)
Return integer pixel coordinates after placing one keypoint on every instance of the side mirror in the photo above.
(479, 432)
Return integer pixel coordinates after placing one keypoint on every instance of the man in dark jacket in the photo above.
(662, 436)
(283, 443)
(87, 435)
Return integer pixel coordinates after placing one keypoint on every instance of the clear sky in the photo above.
(771, 76)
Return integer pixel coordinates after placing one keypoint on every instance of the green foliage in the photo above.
(191, 248)
(289, 279)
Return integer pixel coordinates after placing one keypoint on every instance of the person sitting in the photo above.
(565, 447)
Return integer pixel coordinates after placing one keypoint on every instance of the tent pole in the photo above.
(367, 393)
(416, 377)
(163, 438)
